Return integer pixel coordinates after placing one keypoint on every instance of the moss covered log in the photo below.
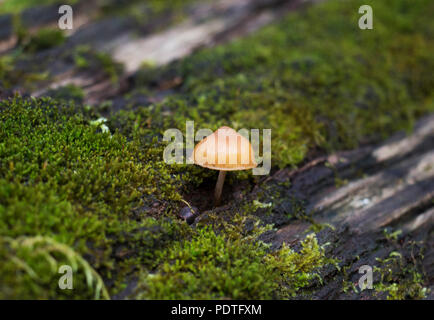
(101, 199)
(73, 192)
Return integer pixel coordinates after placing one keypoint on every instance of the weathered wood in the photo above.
(395, 190)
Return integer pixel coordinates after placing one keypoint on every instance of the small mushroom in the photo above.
(224, 150)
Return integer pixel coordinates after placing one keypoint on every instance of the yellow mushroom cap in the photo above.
(225, 150)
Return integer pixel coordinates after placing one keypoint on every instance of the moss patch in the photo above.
(31, 267)
(217, 266)
(89, 60)
(44, 39)
(62, 177)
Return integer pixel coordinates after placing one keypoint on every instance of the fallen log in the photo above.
(387, 188)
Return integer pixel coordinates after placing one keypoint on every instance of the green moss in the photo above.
(16, 6)
(13, 74)
(30, 268)
(216, 266)
(5, 70)
(398, 275)
(68, 92)
(142, 12)
(399, 279)
(401, 272)
(63, 178)
(87, 59)
(80, 57)
(109, 66)
(44, 39)
(73, 194)
(18, 28)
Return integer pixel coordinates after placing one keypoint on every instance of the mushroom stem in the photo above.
(219, 187)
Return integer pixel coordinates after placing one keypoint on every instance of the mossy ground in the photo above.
(97, 196)
(105, 201)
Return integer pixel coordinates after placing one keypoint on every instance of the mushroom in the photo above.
(224, 150)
